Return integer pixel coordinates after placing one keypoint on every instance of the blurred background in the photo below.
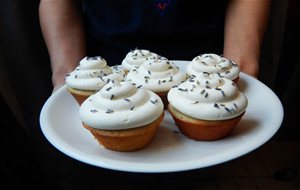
(22, 46)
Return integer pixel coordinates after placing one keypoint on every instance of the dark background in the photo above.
(22, 48)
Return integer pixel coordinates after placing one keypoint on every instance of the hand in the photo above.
(58, 78)
(247, 64)
(249, 67)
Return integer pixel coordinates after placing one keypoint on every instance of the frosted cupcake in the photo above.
(116, 116)
(90, 76)
(136, 57)
(206, 106)
(213, 63)
(158, 75)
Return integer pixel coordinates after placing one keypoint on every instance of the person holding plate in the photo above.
(176, 29)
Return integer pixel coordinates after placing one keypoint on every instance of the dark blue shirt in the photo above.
(176, 29)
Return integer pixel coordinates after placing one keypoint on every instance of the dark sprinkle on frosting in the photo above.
(206, 95)
(234, 104)
(191, 80)
(93, 57)
(183, 90)
(109, 111)
(154, 101)
(204, 63)
(223, 93)
(93, 110)
(216, 105)
(227, 109)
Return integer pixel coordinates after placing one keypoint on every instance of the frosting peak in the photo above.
(136, 57)
(213, 63)
(121, 105)
(92, 73)
(208, 97)
(96, 62)
(158, 74)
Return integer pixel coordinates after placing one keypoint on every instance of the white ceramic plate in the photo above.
(170, 151)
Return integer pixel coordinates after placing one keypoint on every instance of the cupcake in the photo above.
(90, 76)
(206, 106)
(158, 75)
(212, 63)
(116, 117)
(135, 58)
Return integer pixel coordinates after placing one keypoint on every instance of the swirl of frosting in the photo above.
(136, 57)
(92, 74)
(121, 105)
(212, 63)
(208, 97)
(158, 75)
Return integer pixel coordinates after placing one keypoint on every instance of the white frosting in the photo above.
(93, 73)
(136, 57)
(208, 97)
(212, 63)
(121, 105)
(158, 75)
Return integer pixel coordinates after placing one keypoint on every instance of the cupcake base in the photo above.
(203, 130)
(80, 95)
(128, 139)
